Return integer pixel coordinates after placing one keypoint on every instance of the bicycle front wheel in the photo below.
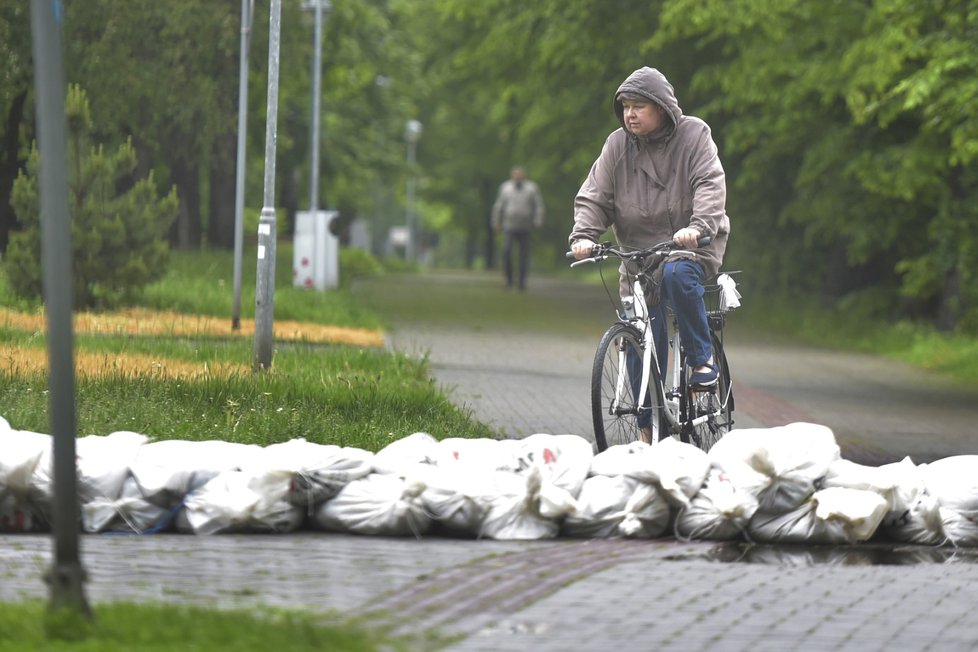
(710, 411)
(620, 415)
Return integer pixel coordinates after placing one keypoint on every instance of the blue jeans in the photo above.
(682, 288)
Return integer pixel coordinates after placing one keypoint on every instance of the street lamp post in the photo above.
(412, 134)
(265, 282)
(247, 11)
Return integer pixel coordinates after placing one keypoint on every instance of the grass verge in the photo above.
(118, 627)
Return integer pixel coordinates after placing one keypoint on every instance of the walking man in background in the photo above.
(517, 211)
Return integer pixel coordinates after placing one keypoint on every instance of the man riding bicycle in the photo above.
(657, 178)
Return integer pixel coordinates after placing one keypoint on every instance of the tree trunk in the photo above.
(9, 167)
(186, 231)
(220, 226)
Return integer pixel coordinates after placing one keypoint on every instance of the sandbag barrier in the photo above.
(786, 484)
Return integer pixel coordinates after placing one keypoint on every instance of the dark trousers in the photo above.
(522, 240)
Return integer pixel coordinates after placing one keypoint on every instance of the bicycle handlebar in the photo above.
(601, 251)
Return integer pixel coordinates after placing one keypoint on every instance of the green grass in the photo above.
(122, 627)
(953, 354)
(336, 394)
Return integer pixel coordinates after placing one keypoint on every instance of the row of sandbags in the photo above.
(782, 484)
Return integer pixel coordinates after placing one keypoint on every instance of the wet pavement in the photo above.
(663, 594)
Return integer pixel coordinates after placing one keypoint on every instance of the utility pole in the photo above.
(265, 284)
(412, 133)
(66, 577)
(247, 12)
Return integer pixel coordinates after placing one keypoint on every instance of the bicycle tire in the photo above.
(714, 406)
(615, 412)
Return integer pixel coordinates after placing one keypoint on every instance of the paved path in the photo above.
(570, 595)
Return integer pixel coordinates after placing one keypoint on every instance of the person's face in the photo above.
(642, 117)
(518, 175)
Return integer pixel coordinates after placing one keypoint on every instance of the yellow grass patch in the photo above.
(140, 321)
(22, 360)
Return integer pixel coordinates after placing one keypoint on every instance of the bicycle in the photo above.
(626, 365)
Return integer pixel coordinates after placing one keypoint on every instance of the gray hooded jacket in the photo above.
(647, 188)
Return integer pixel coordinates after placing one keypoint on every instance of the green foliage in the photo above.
(117, 237)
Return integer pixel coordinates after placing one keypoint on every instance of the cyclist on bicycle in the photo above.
(659, 178)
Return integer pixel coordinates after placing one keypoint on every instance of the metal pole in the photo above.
(412, 133)
(66, 577)
(314, 141)
(247, 11)
(265, 286)
(410, 251)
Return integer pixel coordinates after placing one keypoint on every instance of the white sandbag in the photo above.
(617, 505)
(676, 469)
(482, 452)
(102, 464)
(383, 504)
(915, 516)
(16, 516)
(524, 507)
(564, 460)
(960, 527)
(20, 453)
(953, 481)
(860, 511)
(458, 497)
(241, 501)
(130, 512)
(168, 470)
(829, 517)
(884, 480)
(720, 510)
(792, 458)
(403, 455)
(319, 470)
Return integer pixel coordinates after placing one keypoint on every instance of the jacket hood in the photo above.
(653, 85)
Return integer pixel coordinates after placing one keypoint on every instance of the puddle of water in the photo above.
(856, 555)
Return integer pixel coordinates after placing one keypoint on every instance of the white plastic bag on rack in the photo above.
(383, 504)
(241, 501)
(729, 296)
(953, 482)
(166, 471)
(20, 453)
(617, 505)
(676, 469)
(792, 458)
(829, 517)
(720, 511)
(318, 471)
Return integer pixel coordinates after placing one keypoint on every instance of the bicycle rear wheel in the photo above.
(708, 413)
(617, 411)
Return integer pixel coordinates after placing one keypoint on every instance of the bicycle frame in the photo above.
(642, 321)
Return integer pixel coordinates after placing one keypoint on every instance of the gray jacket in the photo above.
(518, 208)
(645, 189)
